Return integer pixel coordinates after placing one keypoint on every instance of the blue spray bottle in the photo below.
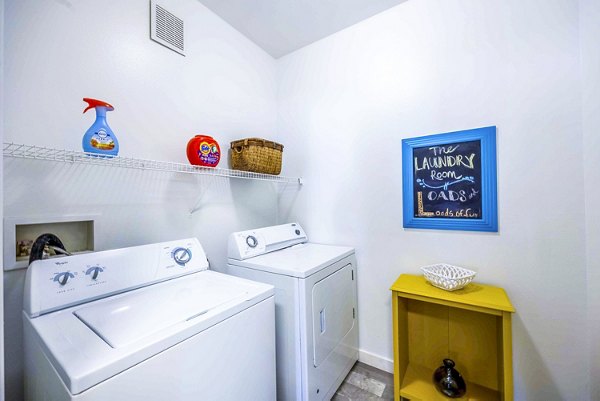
(99, 138)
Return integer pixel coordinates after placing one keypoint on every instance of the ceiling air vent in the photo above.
(166, 28)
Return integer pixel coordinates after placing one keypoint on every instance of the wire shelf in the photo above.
(21, 151)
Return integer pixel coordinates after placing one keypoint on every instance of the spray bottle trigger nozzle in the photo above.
(92, 103)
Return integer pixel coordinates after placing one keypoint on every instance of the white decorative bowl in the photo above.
(448, 277)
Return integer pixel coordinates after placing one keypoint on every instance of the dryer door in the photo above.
(333, 301)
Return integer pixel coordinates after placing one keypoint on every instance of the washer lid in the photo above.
(299, 261)
(125, 320)
(83, 357)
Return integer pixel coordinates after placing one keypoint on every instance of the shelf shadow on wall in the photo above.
(539, 386)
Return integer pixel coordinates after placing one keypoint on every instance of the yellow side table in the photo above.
(472, 326)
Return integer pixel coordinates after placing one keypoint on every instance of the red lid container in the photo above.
(203, 150)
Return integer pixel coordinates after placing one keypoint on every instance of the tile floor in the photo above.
(366, 383)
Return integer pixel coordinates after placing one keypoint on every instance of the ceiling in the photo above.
(282, 26)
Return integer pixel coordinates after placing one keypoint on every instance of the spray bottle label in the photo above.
(102, 140)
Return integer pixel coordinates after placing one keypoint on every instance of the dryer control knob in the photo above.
(251, 241)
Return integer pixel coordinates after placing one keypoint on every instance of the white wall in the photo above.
(1, 198)
(590, 83)
(60, 51)
(434, 66)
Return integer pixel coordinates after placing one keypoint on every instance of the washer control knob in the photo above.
(63, 277)
(94, 271)
(181, 256)
(251, 241)
(297, 232)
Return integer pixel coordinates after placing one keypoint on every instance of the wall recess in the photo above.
(76, 233)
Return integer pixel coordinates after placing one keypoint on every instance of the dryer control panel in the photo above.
(247, 244)
(57, 283)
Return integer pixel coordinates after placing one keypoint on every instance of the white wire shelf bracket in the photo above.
(21, 151)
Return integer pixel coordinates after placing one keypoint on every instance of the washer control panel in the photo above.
(57, 283)
(247, 244)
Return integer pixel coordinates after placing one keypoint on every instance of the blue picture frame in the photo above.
(431, 199)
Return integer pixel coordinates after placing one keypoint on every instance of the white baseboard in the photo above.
(376, 361)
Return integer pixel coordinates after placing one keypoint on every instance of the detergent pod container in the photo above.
(99, 138)
(203, 150)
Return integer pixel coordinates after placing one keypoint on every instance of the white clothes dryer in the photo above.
(146, 323)
(315, 306)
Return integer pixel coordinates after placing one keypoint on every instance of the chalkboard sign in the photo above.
(449, 180)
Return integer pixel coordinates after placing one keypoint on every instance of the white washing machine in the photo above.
(146, 323)
(315, 306)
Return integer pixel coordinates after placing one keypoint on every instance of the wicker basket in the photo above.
(448, 277)
(256, 155)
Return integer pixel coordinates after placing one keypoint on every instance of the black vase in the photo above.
(448, 381)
